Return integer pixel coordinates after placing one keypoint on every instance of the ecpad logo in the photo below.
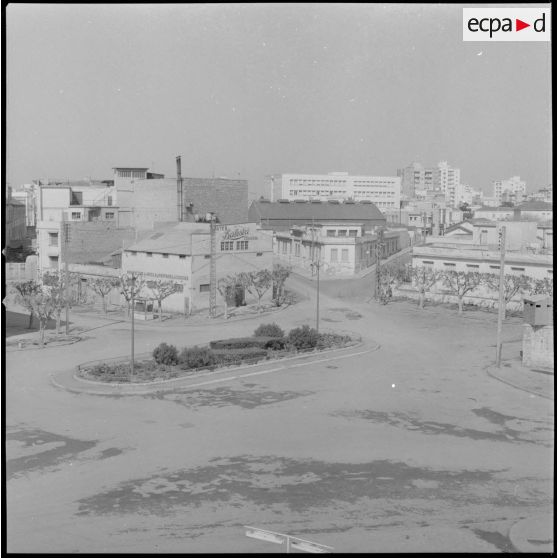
(506, 24)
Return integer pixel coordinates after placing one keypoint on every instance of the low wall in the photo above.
(444, 297)
(538, 346)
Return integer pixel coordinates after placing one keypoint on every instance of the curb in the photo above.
(47, 346)
(512, 384)
(121, 389)
(533, 534)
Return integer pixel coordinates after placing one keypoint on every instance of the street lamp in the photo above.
(316, 265)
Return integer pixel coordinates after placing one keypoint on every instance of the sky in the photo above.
(248, 90)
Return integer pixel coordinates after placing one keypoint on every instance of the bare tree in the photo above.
(130, 287)
(424, 278)
(279, 275)
(103, 286)
(44, 306)
(513, 285)
(543, 286)
(391, 275)
(24, 294)
(160, 290)
(257, 282)
(224, 286)
(459, 283)
(55, 282)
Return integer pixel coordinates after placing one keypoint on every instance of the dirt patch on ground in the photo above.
(225, 396)
(298, 485)
(410, 422)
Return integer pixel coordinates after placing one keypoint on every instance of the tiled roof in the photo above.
(317, 210)
(174, 239)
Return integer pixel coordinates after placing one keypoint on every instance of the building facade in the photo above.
(281, 216)
(181, 253)
(342, 250)
(383, 191)
(512, 190)
(15, 227)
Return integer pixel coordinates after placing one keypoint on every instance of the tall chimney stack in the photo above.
(179, 201)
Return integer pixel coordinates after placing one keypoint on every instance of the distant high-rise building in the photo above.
(383, 191)
(446, 179)
(414, 177)
(512, 190)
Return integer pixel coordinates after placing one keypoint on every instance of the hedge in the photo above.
(261, 342)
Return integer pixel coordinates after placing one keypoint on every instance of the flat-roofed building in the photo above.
(383, 191)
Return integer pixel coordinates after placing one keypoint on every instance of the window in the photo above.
(494, 267)
(334, 254)
(474, 266)
(181, 257)
(132, 253)
(53, 239)
(518, 269)
(227, 245)
(149, 254)
(53, 262)
(259, 254)
(76, 215)
(353, 232)
(345, 255)
(448, 264)
(242, 245)
(427, 262)
(207, 256)
(204, 288)
(109, 200)
(342, 232)
(165, 255)
(330, 232)
(109, 215)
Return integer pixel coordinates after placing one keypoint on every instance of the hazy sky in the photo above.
(256, 89)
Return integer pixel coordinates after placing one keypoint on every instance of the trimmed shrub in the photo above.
(165, 354)
(326, 340)
(241, 343)
(276, 344)
(196, 357)
(269, 330)
(303, 337)
(237, 356)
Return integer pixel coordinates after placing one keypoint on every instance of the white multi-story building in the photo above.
(383, 191)
(447, 180)
(513, 189)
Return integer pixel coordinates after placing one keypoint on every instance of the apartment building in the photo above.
(383, 191)
(512, 190)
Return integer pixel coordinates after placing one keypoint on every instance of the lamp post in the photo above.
(316, 265)
(133, 312)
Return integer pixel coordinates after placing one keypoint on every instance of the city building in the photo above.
(83, 201)
(534, 210)
(282, 215)
(541, 195)
(447, 179)
(342, 250)
(15, 227)
(512, 190)
(26, 195)
(415, 178)
(181, 253)
(383, 191)
(494, 213)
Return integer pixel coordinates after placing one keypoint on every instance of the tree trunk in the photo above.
(160, 311)
(58, 323)
(226, 309)
(460, 304)
(42, 326)
(421, 300)
(104, 299)
(30, 325)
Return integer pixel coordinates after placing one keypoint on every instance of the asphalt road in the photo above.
(408, 448)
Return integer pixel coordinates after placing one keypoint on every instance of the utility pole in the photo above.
(501, 299)
(65, 233)
(212, 268)
(379, 247)
(133, 294)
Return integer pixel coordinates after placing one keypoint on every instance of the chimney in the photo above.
(179, 189)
